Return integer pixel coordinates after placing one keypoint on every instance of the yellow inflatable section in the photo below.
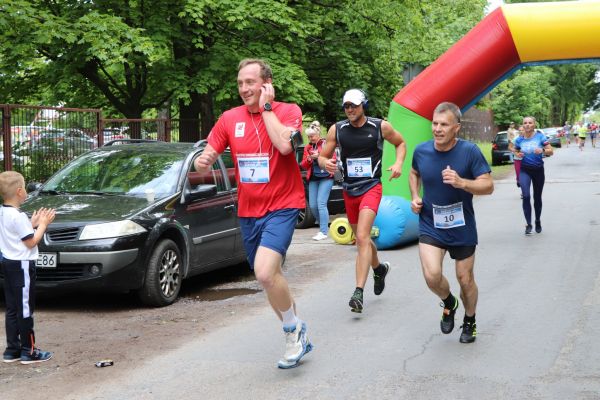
(555, 31)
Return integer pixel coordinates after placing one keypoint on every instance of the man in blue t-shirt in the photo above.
(451, 171)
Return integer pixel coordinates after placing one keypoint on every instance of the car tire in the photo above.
(163, 275)
(495, 162)
(306, 219)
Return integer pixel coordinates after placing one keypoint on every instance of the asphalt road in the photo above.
(538, 317)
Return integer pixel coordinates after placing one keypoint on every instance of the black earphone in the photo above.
(365, 102)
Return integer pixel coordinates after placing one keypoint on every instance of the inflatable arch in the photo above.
(507, 39)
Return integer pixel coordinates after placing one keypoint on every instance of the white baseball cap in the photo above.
(354, 96)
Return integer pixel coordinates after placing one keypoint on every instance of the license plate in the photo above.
(46, 260)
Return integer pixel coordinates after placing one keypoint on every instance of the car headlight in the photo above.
(111, 230)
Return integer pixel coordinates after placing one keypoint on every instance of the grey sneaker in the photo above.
(296, 345)
(10, 357)
(35, 356)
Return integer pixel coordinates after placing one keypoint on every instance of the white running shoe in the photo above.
(320, 236)
(296, 346)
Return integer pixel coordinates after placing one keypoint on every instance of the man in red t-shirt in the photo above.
(270, 189)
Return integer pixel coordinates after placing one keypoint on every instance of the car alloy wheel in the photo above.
(169, 275)
(163, 275)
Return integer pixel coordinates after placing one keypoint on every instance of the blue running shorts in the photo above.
(273, 231)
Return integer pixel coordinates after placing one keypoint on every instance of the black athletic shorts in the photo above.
(456, 252)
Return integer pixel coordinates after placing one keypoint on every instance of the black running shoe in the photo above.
(356, 301)
(538, 226)
(447, 322)
(528, 229)
(469, 332)
(379, 277)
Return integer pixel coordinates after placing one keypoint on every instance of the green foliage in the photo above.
(552, 95)
(594, 117)
(131, 57)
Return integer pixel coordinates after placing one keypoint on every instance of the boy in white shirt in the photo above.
(18, 241)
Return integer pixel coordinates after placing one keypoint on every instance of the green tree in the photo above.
(133, 57)
(552, 94)
(527, 93)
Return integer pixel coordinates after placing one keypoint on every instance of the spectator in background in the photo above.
(19, 237)
(512, 132)
(319, 180)
(316, 125)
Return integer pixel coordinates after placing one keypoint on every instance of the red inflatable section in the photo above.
(476, 61)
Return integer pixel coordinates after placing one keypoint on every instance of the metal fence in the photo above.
(168, 130)
(478, 125)
(37, 141)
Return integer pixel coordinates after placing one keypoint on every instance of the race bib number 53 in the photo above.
(359, 167)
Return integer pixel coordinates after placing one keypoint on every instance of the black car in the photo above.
(500, 151)
(335, 203)
(553, 135)
(136, 216)
(71, 140)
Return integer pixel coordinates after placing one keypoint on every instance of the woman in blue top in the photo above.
(531, 147)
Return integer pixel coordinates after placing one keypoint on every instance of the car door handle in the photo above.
(229, 207)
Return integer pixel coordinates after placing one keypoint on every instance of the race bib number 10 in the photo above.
(447, 217)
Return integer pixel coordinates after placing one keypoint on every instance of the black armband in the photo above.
(296, 139)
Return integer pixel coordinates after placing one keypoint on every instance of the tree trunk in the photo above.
(207, 116)
(134, 111)
(189, 127)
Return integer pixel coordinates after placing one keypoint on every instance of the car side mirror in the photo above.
(33, 187)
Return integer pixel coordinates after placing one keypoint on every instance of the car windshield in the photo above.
(119, 171)
(501, 138)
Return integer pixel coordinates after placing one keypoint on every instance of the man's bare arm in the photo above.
(395, 138)
(325, 157)
(204, 161)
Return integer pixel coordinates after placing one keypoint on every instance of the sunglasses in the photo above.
(348, 106)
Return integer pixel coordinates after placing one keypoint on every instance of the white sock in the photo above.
(289, 317)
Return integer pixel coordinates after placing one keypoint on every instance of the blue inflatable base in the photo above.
(396, 222)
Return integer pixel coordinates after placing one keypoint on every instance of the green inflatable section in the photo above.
(415, 129)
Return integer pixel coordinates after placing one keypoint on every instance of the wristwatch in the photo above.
(268, 107)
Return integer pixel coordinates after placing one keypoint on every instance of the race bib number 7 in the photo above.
(253, 169)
